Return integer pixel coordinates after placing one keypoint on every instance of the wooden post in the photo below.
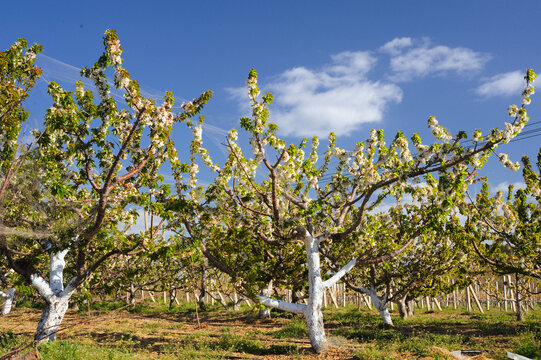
(437, 303)
(333, 298)
(368, 301)
(222, 298)
(455, 304)
(504, 293)
(476, 300)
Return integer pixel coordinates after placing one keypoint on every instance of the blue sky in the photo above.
(345, 66)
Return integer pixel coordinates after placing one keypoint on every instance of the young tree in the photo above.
(85, 194)
(434, 264)
(289, 204)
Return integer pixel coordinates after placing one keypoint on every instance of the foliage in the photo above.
(506, 232)
(18, 75)
(280, 195)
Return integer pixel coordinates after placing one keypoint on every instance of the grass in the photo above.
(528, 344)
(67, 350)
(494, 332)
(152, 330)
(295, 328)
(244, 344)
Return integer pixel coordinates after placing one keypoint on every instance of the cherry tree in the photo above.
(435, 263)
(213, 222)
(18, 75)
(94, 161)
(504, 231)
(293, 202)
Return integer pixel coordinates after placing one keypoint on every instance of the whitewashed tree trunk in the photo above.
(411, 307)
(267, 292)
(381, 305)
(403, 307)
(316, 288)
(9, 297)
(55, 296)
(132, 293)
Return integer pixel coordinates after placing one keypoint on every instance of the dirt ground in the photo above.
(154, 333)
(160, 335)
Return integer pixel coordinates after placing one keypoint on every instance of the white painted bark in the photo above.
(265, 313)
(314, 316)
(9, 297)
(316, 286)
(55, 295)
(403, 307)
(381, 305)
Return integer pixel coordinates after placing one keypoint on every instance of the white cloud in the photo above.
(410, 59)
(504, 187)
(502, 84)
(339, 96)
(396, 45)
(336, 98)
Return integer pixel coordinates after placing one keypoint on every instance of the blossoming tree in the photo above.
(504, 232)
(94, 161)
(433, 264)
(18, 74)
(211, 221)
(293, 201)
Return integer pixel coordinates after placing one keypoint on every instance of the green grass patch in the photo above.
(8, 340)
(528, 344)
(295, 328)
(67, 350)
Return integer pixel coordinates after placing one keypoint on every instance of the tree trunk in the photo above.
(520, 313)
(382, 307)
(265, 313)
(314, 316)
(133, 293)
(172, 297)
(236, 302)
(410, 307)
(9, 298)
(316, 288)
(55, 296)
(52, 316)
(402, 308)
(201, 300)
